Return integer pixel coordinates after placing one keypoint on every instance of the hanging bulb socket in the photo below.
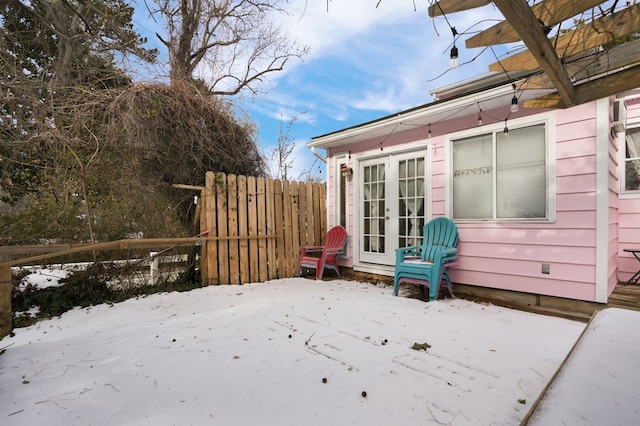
(479, 119)
(506, 129)
(453, 57)
(429, 131)
(514, 104)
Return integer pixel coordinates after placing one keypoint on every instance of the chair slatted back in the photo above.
(438, 233)
(336, 237)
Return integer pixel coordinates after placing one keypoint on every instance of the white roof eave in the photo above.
(423, 116)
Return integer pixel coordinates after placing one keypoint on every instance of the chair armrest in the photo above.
(446, 255)
(404, 252)
(311, 249)
(334, 250)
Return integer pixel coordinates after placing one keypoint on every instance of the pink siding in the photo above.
(509, 256)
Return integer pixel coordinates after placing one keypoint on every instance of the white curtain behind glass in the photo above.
(374, 199)
(473, 178)
(411, 187)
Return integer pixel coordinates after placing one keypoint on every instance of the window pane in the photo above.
(412, 168)
(473, 178)
(632, 181)
(521, 185)
(632, 137)
(343, 201)
(632, 159)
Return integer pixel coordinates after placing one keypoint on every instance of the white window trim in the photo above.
(548, 119)
(338, 162)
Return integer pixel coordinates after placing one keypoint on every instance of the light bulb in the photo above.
(429, 131)
(479, 120)
(514, 104)
(453, 62)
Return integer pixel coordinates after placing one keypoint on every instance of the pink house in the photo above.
(546, 201)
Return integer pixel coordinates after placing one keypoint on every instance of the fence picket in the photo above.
(271, 243)
(232, 209)
(261, 190)
(253, 228)
(243, 229)
(209, 262)
(222, 213)
(279, 223)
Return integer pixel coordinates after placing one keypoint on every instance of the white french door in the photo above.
(393, 204)
(375, 207)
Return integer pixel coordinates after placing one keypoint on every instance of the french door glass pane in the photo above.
(521, 184)
(411, 188)
(374, 208)
(473, 177)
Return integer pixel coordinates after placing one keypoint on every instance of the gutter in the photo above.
(318, 155)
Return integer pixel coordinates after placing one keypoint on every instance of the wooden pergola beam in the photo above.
(617, 57)
(595, 34)
(593, 90)
(548, 12)
(530, 31)
(452, 6)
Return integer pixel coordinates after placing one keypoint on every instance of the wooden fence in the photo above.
(251, 230)
(259, 226)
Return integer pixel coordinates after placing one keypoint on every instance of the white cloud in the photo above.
(386, 55)
(324, 25)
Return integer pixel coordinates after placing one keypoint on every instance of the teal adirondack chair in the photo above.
(428, 262)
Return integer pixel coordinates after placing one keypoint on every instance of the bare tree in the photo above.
(231, 44)
(281, 154)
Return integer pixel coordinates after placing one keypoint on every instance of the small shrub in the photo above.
(87, 288)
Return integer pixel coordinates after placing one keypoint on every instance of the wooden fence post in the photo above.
(209, 255)
(5, 297)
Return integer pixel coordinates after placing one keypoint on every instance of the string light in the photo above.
(453, 57)
(429, 131)
(514, 100)
(506, 128)
(479, 115)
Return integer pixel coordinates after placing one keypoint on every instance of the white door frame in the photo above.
(383, 262)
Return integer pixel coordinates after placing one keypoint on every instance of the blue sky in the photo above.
(364, 63)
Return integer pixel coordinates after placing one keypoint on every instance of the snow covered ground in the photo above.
(285, 352)
(598, 383)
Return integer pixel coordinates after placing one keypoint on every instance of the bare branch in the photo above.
(230, 44)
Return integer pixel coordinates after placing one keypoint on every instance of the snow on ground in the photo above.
(43, 277)
(285, 352)
(598, 384)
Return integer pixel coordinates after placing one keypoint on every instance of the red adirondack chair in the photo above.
(321, 257)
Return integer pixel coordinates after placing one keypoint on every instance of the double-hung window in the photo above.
(501, 176)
